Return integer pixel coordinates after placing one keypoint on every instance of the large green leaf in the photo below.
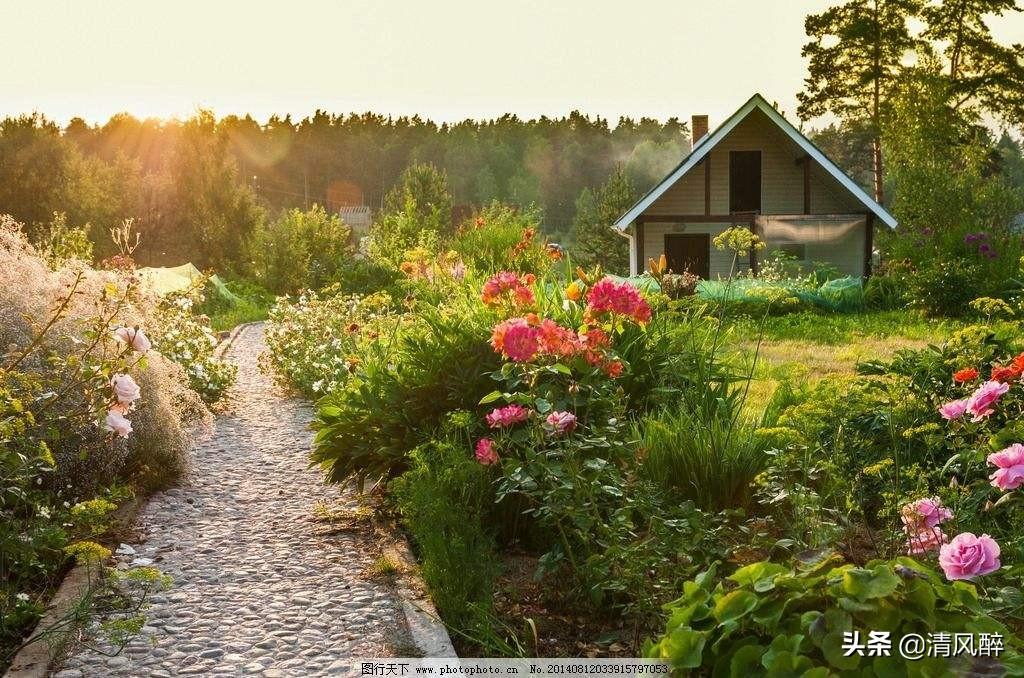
(864, 584)
(683, 648)
(734, 605)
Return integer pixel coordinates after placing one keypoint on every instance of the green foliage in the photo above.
(501, 238)
(300, 250)
(59, 243)
(951, 206)
(183, 339)
(596, 243)
(710, 458)
(767, 619)
(314, 340)
(407, 381)
(445, 500)
(945, 288)
(420, 204)
(244, 302)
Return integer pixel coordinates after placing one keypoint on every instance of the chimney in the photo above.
(698, 128)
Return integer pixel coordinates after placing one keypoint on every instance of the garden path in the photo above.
(260, 586)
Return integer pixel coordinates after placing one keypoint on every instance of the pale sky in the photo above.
(444, 59)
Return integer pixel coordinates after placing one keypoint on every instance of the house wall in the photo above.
(719, 263)
(782, 179)
(839, 241)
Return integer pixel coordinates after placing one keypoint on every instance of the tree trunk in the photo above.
(876, 166)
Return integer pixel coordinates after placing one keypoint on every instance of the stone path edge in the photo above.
(35, 659)
(428, 631)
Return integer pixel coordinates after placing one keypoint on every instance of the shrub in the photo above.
(945, 288)
(300, 250)
(502, 238)
(772, 619)
(889, 287)
(181, 338)
(679, 285)
(407, 381)
(60, 243)
(314, 340)
(444, 500)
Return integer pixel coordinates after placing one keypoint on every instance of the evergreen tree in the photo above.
(596, 211)
(855, 55)
(980, 70)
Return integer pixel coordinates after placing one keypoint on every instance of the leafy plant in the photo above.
(772, 619)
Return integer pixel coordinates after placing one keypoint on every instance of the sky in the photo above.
(446, 60)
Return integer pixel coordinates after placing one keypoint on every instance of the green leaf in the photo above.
(759, 575)
(543, 406)
(559, 367)
(734, 605)
(832, 648)
(746, 661)
(866, 584)
(491, 397)
(683, 647)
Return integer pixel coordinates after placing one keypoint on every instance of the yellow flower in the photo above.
(573, 292)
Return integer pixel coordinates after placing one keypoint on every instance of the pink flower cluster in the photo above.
(503, 417)
(980, 404)
(1009, 463)
(921, 520)
(523, 339)
(509, 285)
(485, 452)
(608, 296)
(561, 422)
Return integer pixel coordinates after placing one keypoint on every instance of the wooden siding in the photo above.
(782, 178)
(720, 262)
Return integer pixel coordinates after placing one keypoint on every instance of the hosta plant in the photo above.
(769, 619)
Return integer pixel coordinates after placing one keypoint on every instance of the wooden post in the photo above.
(638, 234)
(707, 184)
(869, 242)
(752, 225)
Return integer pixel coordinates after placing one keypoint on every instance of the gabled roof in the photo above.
(709, 141)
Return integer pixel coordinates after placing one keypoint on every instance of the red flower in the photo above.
(613, 369)
(1005, 373)
(966, 374)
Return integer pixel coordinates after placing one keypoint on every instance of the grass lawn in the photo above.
(802, 348)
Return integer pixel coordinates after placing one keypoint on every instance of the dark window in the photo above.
(689, 252)
(744, 181)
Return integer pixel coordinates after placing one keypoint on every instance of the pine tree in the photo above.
(855, 54)
(596, 211)
(980, 70)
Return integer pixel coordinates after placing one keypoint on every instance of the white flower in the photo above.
(117, 423)
(125, 389)
(134, 337)
(23, 597)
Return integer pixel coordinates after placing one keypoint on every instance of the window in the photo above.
(744, 181)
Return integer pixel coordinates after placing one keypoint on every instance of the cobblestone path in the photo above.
(260, 587)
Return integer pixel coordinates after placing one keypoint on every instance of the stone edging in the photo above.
(428, 632)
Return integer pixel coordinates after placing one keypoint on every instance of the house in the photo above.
(755, 170)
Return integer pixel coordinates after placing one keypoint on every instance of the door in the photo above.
(689, 252)
(744, 181)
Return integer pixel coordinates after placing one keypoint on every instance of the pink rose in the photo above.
(981, 401)
(485, 452)
(954, 409)
(1009, 474)
(134, 337)
(924, 514)
(968, 556)
(925, 541)
(507, 416)
(561, 422)
(117, 423)
(125, 389)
